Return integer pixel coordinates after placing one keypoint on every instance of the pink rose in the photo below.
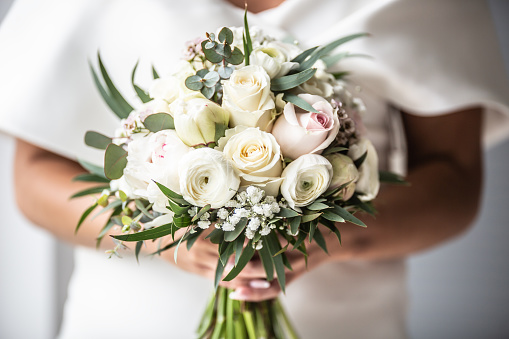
(301, 132)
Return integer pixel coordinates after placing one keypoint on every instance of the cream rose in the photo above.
(196, 118)
(369, 182)
(344, 172)
(256, 155)
(207, 177)
(248, 98)
(305, 179)
(300, 132)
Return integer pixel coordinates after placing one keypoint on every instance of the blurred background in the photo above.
(458, 290)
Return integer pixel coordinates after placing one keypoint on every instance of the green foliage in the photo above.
(89, 177)
(358, 162)
(84, 216)
(143, 95)
(392, 178)
(89, 191)
(246, 255)
(153, 233)
(287, 82)
(239, 228)
(97, 140)
(158, 122)
(299, 102)
(246, 37)
(115, 160)
(93, 169)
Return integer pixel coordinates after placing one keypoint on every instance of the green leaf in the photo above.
(224, 50)
(267, 262)
(175, 253)
(154, 73)
(239, 245)
(226, 35)
(391, 178)
(194, 82)
(114, 93)
(201, 212)
(236, 58)
(302, 56)
(211, 54)
(191, 239)
(141, 207)
(287, 82)
(347, 216)
(274, 247)
(216, 236)
(334, 150)
(177, 209)
(340, 75)
(137, 251)
(115, 160)
(219, 273)
(294, 224)
(172, 195)
(324, 50)
(158, 122)
(211, 79)
(312, 228)
(232, 235)
(358, 162)
(248, 45)
(207, 92)
(333, 59)
(287, 213)
(220, 131)
(332, 216)
(317, 206)
(114, 204)
(300, 239)
(103, 232)
(225, 251)
(144, 97)
(318, 237)
(332, 226)
(246, 255)
(225, 72)
(310, 217)
(88, 191)
(299, 102)
(94, 169)
(84, 216)
(97, 140)
(153, 233)
(88, 177)
(181, 221)
(112, 104)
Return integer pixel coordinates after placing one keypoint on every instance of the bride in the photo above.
(428, 104)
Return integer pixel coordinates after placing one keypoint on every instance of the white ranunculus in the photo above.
(344, 172)
(275, 58)
(305, 179)
(300, 132)
(167, 151)
(369, 182)
(207, 177)
(248, 98)
(196, 118)
(257, 156)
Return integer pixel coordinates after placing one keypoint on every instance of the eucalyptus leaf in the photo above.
(246, 255)
(226, 250)
(287, 213)
(97, 140)
(191, 239)
(232, 235)
(158, 122)
(84, 216)
(141, 207)
(310, 217)
(332, 216)
(225, 72)
(153, 233)
(318, 237)
(210, 44)
(211, 54)
(236, 58)
(331, 226)
(207, 92)
(299, 102)
(224, 50)
(347, 216)
(294, 224)
(300, 240)
(154, 73)
(211, 79)
(88, 177)
(94, 169)
(216, 236)
(194, 82)
(226, 35)
(317, 206)
(287, 82)
(239, 245)
(312, 228)
(115, 160)
(88, 191)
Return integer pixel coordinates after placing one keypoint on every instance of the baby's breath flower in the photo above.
(249, 233)
(204, 224)
(254, 224)
(223, 213)
(227, 227)
(205, 216)
(234, 219)
(265, 230)
(192, 211)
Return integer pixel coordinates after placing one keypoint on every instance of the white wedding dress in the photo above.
(429, 58)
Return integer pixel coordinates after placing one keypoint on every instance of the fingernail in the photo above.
(237, 296)
(259, 284)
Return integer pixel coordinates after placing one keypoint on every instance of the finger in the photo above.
(256, 294)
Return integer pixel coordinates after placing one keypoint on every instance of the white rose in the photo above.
(196, 118)
(275, 58)
(256, 155)
(207, 177)
(166, 152)
(305, 179)
(169, 88)
(344, 172)
(369, 182)
(248, 98)
(300, 132)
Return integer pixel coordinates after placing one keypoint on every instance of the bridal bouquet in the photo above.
(251, 143)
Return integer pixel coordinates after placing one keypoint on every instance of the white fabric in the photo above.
(429, 57)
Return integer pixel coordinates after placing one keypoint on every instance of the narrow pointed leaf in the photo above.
(310, 217)
(294, 224)
(239, 245)
(84, 216)
(239, 228)
(219, 273)
(141, 207)
(182, 221)
(112, 104)
(332, 216)
(302, 56)
(172, 195)
(246, 255)
(274, 247)
(88, 191)
(287, 82)
(114, 204)
(391, 178)
(114, 93)
(88, 177)
(144, 97)
(103, 232)
(299, 102)
(177, 209)
(175, 253)
(94, 169)
(248, 45)
(137, 251)
(317, 206)
(201, 212)
(115, 160)
(287, 213)
(347, 216)
(358, 162)
(154, 73)
(153, 233)
(216, 236)
(267, 262)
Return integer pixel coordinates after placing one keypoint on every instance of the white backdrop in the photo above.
(459, 290)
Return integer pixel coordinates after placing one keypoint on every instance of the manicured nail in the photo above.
(259, 284)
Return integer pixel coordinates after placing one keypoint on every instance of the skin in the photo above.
(445, 172)
(444, 169)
